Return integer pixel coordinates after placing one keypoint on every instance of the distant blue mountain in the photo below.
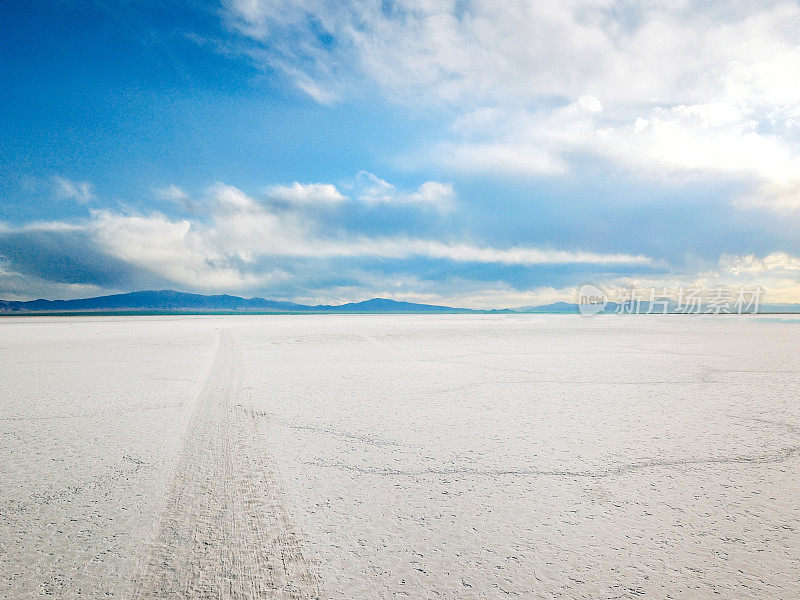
(383, 305)
(555, 307)
(162, 300)
(170, 301)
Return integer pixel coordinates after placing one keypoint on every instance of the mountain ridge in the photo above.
(175, 302)
(171, 301)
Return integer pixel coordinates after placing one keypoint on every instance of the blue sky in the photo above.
(463, 152)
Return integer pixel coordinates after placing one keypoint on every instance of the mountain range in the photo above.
(171, 301)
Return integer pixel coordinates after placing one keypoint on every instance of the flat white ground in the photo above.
(369, 457)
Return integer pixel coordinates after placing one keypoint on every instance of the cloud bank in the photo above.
(663, 89)
(245, 244)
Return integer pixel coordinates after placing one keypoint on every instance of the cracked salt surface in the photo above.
(364, 457)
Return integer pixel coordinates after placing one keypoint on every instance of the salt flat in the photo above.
(365, 457)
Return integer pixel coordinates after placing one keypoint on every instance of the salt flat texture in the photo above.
(366, 457)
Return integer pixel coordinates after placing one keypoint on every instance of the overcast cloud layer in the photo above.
(473, 153)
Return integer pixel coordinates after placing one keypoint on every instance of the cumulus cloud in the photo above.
(80, 191)
(203, 256)
(710, 138)
(371, 189)
(307, 193)
(241, 229)
(240, 243)
(166, 248)
(368, 189)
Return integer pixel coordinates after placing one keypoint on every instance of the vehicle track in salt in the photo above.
(225, 532)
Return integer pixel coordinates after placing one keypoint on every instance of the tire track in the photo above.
(225, 532)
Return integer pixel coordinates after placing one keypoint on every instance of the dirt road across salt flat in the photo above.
(224, 533)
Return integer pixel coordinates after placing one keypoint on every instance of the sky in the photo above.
(467, 152)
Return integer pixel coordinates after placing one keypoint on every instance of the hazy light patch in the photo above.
(80, 191)
(172, 192)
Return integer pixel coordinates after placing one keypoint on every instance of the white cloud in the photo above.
(684, 137)
(173, 193)
(781, 196)
(499, 157)
(233, 246)
(167, 248)
(492, 53)
(777, 275)
(371, 189)
(776, 264)
(81, 191)
(50, 226)
(520, 50)
(226, 249)
(368, 189)
(715, 139)
(314, 89)
(307, 193)
(658, 87)
(460, 252)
